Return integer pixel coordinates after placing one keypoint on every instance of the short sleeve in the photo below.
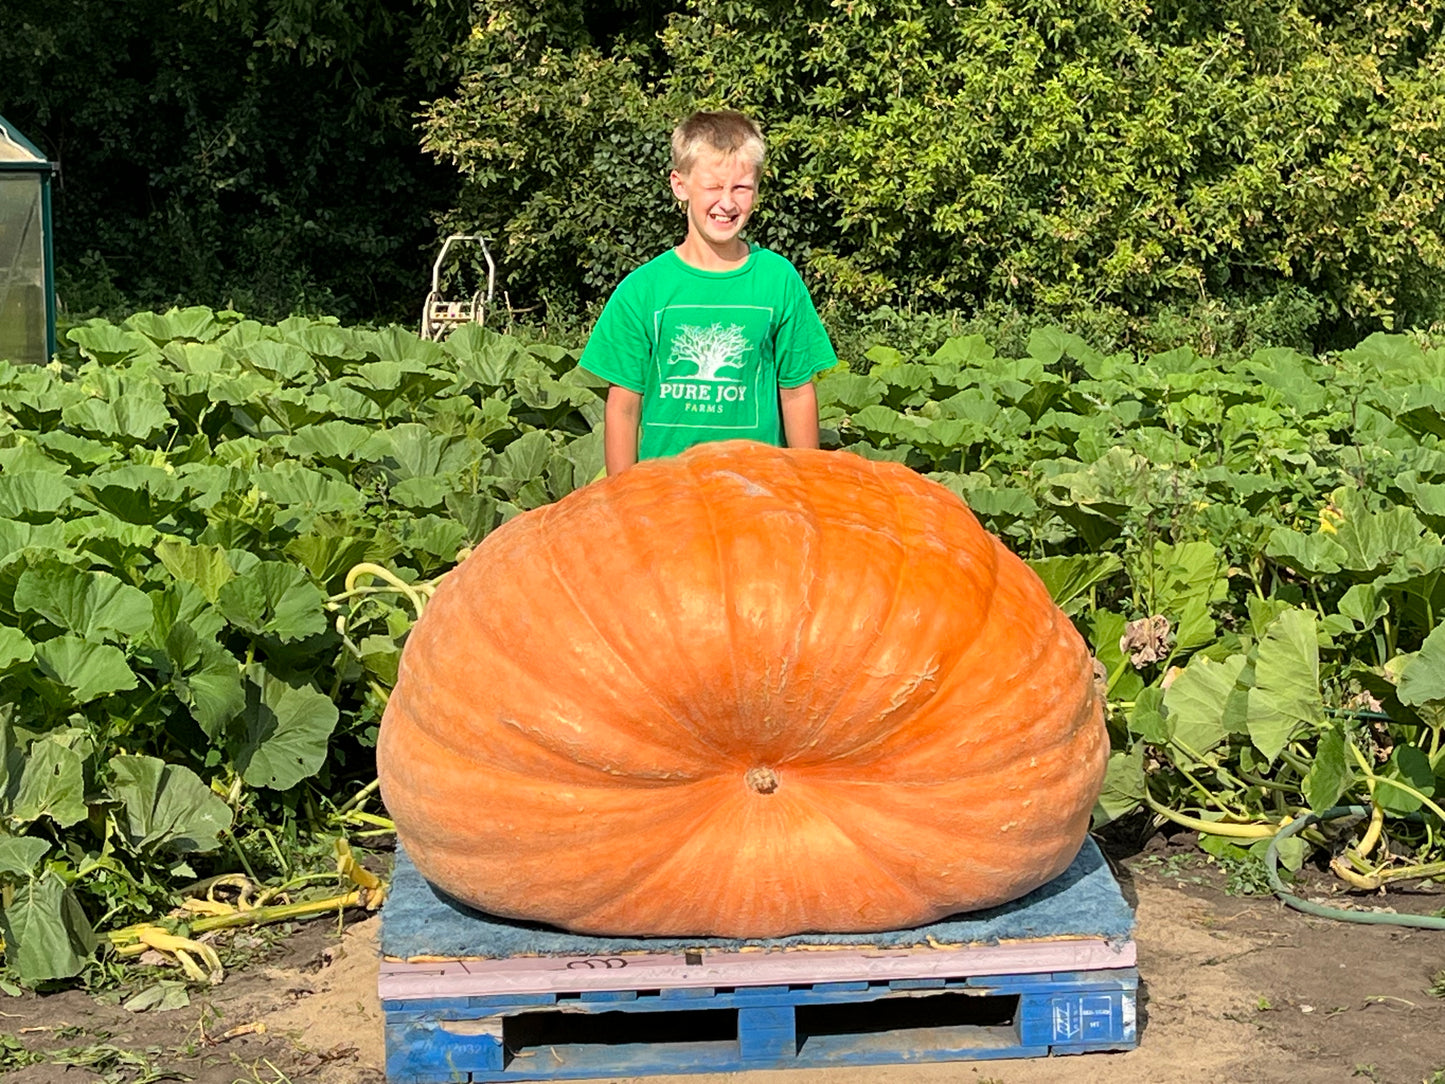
(802, 345)
(619, 346)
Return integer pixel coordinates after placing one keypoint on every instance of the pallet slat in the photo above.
(400, 980)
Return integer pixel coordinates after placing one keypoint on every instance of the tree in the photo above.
(1054, 157)
(254, 151)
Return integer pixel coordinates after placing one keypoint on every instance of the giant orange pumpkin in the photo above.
(745, 692)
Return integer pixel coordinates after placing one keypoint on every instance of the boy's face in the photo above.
(719, 192)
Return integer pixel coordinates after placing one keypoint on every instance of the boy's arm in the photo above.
(800, 415)
(620, 425)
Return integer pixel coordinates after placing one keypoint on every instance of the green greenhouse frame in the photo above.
(27, 269)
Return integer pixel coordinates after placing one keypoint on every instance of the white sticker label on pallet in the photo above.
(1067, 1021)
(1084, 1019)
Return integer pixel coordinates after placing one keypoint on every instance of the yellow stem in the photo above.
(1378, 878)
(260, 916)
(1372, 780)
(1215, 828)
(367, 568)
(361, 796)
(359, 816)
(1373, 832)
(1365, 882)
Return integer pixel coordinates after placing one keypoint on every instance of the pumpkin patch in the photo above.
(745, 692)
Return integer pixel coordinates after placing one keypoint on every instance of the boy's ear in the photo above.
(679, 186)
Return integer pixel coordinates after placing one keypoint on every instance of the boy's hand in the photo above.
(621, 423)
(800, 415)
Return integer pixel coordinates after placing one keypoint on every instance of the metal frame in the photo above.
(439, 316)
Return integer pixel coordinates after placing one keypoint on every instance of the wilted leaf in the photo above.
(164, 996)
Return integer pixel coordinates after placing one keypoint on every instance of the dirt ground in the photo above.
(1233, 988)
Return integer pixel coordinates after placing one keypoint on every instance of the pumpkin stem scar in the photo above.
(761, 780)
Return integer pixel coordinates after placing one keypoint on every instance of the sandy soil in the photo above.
(1233, 989)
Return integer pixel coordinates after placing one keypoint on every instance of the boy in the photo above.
(715, 339)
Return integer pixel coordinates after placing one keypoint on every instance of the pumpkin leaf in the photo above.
(1311, 554)
(1068, 577)
(1105, 634)
(1286, 691)
(1124, 786)
(47, 935)
(93, 604)
(1423, 679)
(52, 784)
(205, 677)
(1364, 606)
(15, 647)
(274, 598)
(281, 735)
(166, 806)
(1205, 704)
(34, 496)
(86, 670)
(19, 855)
(204, 566)
(1409, 765)
(1329, 775)
(1147, 717)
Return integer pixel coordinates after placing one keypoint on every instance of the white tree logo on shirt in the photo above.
(710, 349)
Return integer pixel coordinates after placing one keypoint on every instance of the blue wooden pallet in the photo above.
(610, 1033)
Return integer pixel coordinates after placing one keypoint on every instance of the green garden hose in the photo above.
(1371, 918)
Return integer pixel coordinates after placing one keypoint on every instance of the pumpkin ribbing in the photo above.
(746, 692)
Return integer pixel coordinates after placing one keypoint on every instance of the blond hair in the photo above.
(724, 131)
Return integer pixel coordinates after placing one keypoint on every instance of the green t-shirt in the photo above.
(708, 350)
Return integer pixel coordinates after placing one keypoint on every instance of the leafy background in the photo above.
(215, 534)
(1224, 176)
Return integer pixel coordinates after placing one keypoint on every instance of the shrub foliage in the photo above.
(1041, 155)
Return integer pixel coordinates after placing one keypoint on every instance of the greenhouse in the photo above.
(27, 284)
